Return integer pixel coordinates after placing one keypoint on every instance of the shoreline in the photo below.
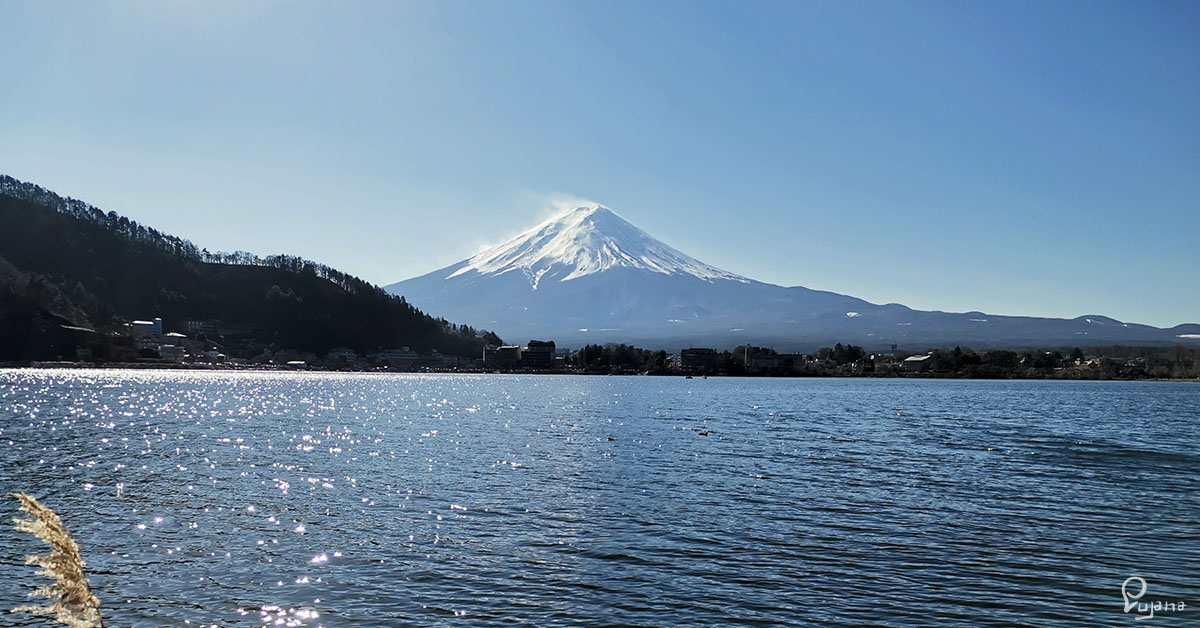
(260, 368)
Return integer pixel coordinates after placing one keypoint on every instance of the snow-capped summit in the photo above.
(583, 241)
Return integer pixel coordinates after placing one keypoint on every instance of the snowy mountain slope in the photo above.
(589, 276)
(585, 241)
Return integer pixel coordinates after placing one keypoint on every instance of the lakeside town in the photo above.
(216, 345)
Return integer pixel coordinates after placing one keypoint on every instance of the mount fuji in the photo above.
(590, 276)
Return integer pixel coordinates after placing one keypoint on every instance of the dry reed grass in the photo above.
(71, 600)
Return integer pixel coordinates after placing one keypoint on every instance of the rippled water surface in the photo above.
(426, 500)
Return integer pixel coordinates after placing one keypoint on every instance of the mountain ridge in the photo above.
(587, 275)
(65, 262)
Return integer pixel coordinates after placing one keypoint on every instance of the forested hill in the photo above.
(65, 262)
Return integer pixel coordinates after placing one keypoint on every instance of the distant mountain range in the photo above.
(590, 276)
(71, 274)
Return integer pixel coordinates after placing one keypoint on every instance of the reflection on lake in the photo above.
(416, 500)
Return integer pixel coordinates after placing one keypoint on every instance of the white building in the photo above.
(148, 328)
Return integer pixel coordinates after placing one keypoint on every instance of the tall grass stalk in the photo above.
(71, 601)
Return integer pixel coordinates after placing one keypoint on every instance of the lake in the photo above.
(227, 498)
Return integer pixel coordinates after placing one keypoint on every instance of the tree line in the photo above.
(1107, 362)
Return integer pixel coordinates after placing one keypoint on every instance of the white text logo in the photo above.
(1145, 610)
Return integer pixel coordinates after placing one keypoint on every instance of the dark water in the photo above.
(361, 500)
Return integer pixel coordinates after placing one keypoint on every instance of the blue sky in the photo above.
(1037, 158)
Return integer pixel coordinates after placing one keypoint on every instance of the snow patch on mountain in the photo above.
(585, 241)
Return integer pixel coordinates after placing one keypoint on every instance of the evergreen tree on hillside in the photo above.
(79, 264)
